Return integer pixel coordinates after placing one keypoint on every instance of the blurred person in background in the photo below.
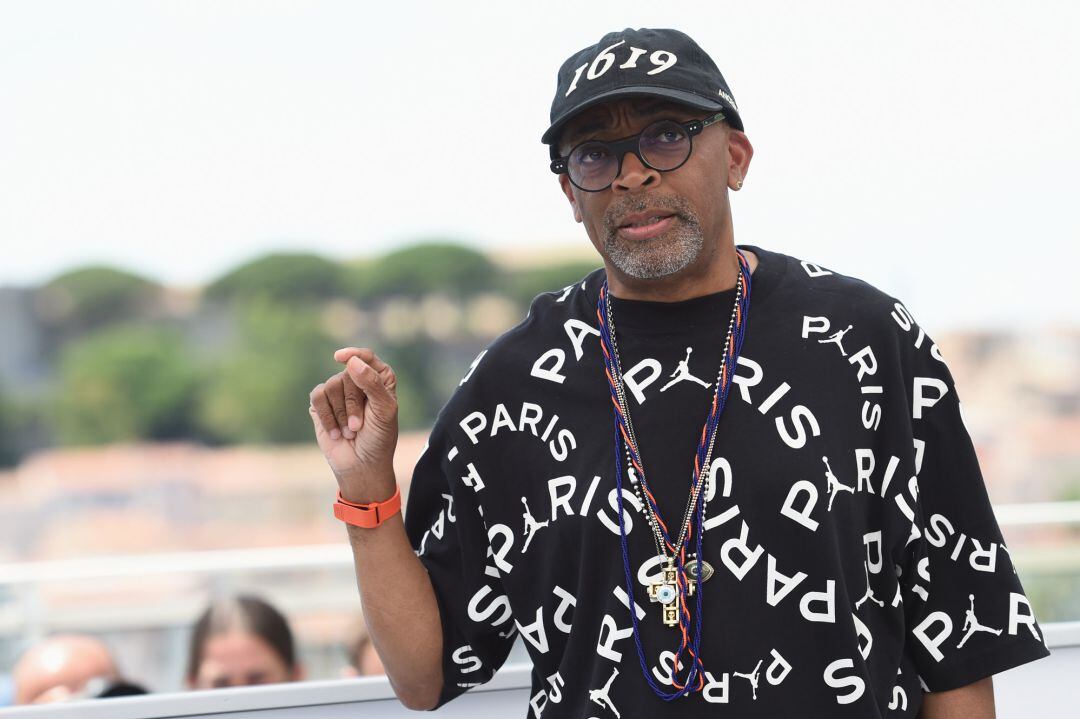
(241, 640)
(360, 651)
(68, 667)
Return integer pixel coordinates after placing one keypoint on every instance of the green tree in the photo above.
(284, 276)
(258, 391)
(420, 269)
(92, 297)
(9, 449)
(420, 391)
(122, 384)
(522, 285)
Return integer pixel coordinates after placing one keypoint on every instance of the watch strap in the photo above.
(367, 515)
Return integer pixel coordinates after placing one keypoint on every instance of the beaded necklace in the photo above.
(674, 587)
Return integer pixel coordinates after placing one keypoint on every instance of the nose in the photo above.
(634, 174)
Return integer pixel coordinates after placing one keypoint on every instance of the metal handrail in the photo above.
(321, 556)
(303, 696)
(307, 556)
(1028, 513)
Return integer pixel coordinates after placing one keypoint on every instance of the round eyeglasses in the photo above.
(664, 145)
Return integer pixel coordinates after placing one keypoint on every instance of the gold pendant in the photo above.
(692, 572)
(666, 592)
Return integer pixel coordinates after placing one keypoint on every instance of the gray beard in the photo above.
(660, 256)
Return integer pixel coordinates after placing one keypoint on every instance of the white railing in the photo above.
(1028, 513)
(310, 556)
(329, 556)
(27, 588)
(1045, 689)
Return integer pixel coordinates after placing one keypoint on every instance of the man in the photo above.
(66, 667)
(788, 527)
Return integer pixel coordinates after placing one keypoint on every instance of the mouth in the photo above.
(646, 226)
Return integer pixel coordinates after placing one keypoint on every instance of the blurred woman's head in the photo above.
(241, 640)
(360, 652)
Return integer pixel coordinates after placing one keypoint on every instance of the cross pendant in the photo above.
(666, 592)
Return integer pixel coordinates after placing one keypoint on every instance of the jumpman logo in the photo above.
(971, 624)
(752, 676)
(683, 372)
(837, 338)
(600, 696)
(869, 592)
(531, 525)
(833, 485)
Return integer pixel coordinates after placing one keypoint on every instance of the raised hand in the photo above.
(355, 414)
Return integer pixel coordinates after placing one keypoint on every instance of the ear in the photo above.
(568, 190)
(740, 151)
(299, 673)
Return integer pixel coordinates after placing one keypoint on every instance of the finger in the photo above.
(354, 404)
(334, 388)
(381, 399)
(321, 435)
(367, 354)
(323, 413)
(344, 354)
(389, 379)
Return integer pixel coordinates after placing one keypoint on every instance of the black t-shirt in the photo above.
(857, 559)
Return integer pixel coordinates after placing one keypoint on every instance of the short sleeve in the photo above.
(967, 616)
(444, 523)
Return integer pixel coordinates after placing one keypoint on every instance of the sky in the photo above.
(929, 148)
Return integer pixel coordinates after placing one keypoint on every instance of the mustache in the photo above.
(675, 204)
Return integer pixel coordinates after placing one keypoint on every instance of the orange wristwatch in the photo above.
(368, 515)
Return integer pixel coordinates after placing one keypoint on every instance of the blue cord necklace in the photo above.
(672, 593)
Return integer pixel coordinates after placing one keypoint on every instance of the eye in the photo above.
(666, 133)
(591, 154)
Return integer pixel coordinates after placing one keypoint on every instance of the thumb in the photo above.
(381, 397)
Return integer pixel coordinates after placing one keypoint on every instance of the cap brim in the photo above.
(681, 96)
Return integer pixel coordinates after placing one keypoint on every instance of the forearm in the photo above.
(354, 415)
(974, 701)
(400, 609)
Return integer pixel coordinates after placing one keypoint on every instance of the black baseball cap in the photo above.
(639, 63)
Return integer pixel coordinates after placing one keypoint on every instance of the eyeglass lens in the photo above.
(664, 145)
